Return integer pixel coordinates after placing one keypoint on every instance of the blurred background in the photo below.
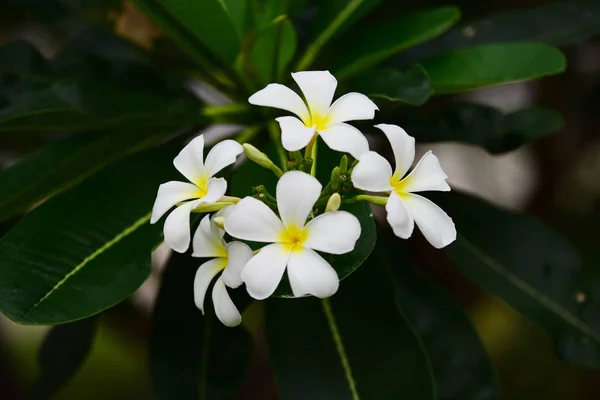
(556, 178)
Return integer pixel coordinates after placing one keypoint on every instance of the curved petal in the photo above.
(294, 134)
(427, 175)
(403, 146)
(372, 173)
(318, 88)
(334, 232)
(238, 253)
(282, 97)
(190, 160)
(226, 311)
(215, 189)
(177, 227)
(169, 194)
(345, 138)
(221, 155)
(309, 273)
(437, 227)
(208, 241)
(251, 219)
(297, 193)
(204, 275)
(399, 217)
(264, 271)
(351, 107)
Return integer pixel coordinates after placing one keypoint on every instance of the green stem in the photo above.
(313, 50)
(378, 200)
(276, 137)
(313, 155)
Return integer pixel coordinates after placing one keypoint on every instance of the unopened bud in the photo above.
(261, 159)
(219, 221)
(344, 165)
(334, 203)
(335, 178)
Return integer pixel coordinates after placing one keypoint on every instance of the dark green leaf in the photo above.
(273, 50)
(22, 68)
(330, 10)
(557, 22)
(86, 249)
(461, 365)
(64, 350)
(354, 345)
(479, 125)
(63, 164)
(410, 85)
(193, 356)
(240, 12)
(493, 64)
(530, 267)
(370, 47)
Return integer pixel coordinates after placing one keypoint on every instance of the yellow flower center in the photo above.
(320, 122)
(201, 183)
(293, 237)
(398, 185)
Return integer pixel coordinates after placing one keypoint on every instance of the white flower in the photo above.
(203, 189)
(230, 258)
(404, 208)
(321, 116)
(293, 240)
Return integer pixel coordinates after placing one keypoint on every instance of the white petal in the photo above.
(309, 273)
(403, 146)
(226, 311)
(215, 189)
(297, 193)
(318, 88)
(294, 134)
(351, 107)
(177, 226)
(334, 232)
(434, 223)
(204, 276)
(282, 97)
(372, 173)
(190, 160)
(169, 194)
(264, 271)
(251, 219)
(345, 138)
(238, 255)
(399, 217)
(208, 241)
(221, 155)
(427, 175)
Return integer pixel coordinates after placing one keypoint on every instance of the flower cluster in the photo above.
(303, 219)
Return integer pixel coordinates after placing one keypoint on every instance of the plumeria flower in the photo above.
(318, 114)
(293, 241)
(229, 258)
(204, 188)
(404, 208)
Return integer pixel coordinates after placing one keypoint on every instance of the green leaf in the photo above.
(409, 85)
(86, 249)
(354, 345)
(369, 47)
(63, 164)
(194, 356)
(533, 269)
(478, 125)
(557, 23)
(273, 50)
(460, 363)
(22, 68)
(493, 64)
(205, 22)
(64, 350)
(240, 12)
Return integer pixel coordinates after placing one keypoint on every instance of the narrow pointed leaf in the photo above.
(355, 345)
(328, 11)
(370, 47)
(273, 50)
(194, 356)
(530, 267)
(64, 350)
(492, 64)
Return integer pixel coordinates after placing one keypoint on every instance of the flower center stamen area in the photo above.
(293, 237)
(399, 185)
(320, 122)
(201, 183)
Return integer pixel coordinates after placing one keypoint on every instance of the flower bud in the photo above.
(335, 179)
(344, 165)
(334, 202)
(219, 221)
(261, 159)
